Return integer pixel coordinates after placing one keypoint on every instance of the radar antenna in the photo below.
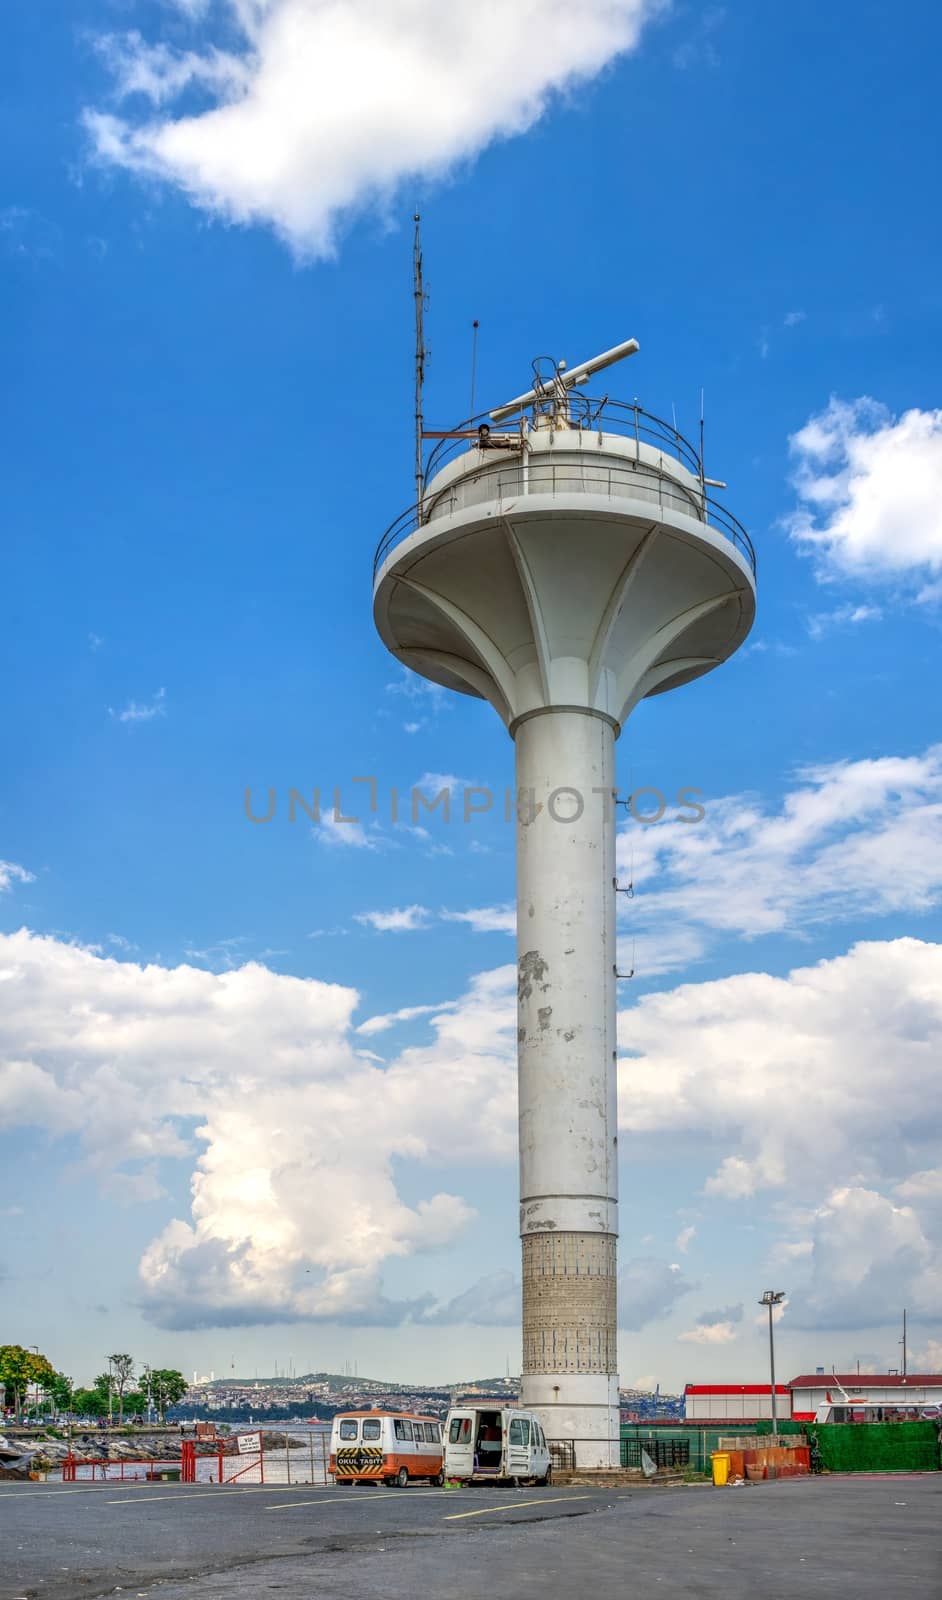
(566, 378)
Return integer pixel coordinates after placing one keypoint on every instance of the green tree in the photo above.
(167, 1386)
(60, 1389)
(89, 1402)
(19, 1370)
(122, 1369)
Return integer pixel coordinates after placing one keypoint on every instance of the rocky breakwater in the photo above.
(44, 1453)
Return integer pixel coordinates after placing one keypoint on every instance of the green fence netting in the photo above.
(878, 1446)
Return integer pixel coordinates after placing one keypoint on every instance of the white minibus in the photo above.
(488, 1444)
(385, 1447)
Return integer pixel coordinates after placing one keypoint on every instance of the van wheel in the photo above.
(544, 1482)
(402, 1477)
(438, 1481)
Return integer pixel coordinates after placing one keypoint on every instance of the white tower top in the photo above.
(576, 559)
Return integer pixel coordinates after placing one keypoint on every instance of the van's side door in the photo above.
(539, 1450)
(517, 1450)
(459, 1444)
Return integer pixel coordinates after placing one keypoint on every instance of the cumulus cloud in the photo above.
(709, 1333)
(852, 838)
(312, 109)
(826, 1075)
(647, 1290)
(256, 1081)
(870, 1255)
(870, 493)
(685, 1238)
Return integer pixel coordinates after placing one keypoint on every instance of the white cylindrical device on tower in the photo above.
(564, 576)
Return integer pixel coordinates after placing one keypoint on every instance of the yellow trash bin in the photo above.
(720, 1461)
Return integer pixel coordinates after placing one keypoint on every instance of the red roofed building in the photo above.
(735, 1402)
(919, 1390)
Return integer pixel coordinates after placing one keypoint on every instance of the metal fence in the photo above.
(634, 480)
(571, 1455)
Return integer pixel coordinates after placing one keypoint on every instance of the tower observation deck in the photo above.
(566, 560)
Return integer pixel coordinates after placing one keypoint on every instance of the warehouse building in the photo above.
(916, 1394)
(735, 1402)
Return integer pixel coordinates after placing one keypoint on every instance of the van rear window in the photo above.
(348, 1430)
(371, 1430)
(460, 1430)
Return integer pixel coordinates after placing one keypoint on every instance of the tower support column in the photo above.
(565, 771)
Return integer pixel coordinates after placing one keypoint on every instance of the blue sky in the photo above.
(205, 243)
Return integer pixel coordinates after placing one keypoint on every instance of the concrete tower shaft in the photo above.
(563, 577)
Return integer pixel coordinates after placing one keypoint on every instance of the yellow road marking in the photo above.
(556, 1501)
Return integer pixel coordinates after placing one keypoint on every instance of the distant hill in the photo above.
(341, 1380)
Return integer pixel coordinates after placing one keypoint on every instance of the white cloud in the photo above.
(254, 1079)
(485, 919)
(647, 1291)
(793, 318)
(929, 1359)
(854, 838)
(389, 1019)
(685, 1239)
(821, 622)
(334, 829)
(870, 492)
(325, 107)
(406, 919)
(709, 1333)
(824, 1078)
(870, 1255)
(133, 712)
(10, 874)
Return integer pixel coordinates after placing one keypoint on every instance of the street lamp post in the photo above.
(110, 1394)
(34, 1349)
(773, 1298)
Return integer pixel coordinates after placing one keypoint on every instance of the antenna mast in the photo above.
(421, 355)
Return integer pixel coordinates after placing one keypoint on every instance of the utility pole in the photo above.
(772, 1298)
(904, 1341)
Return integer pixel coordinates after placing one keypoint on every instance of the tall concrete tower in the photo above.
(563, 570)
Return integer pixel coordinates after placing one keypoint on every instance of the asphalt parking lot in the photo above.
(853, 1538)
